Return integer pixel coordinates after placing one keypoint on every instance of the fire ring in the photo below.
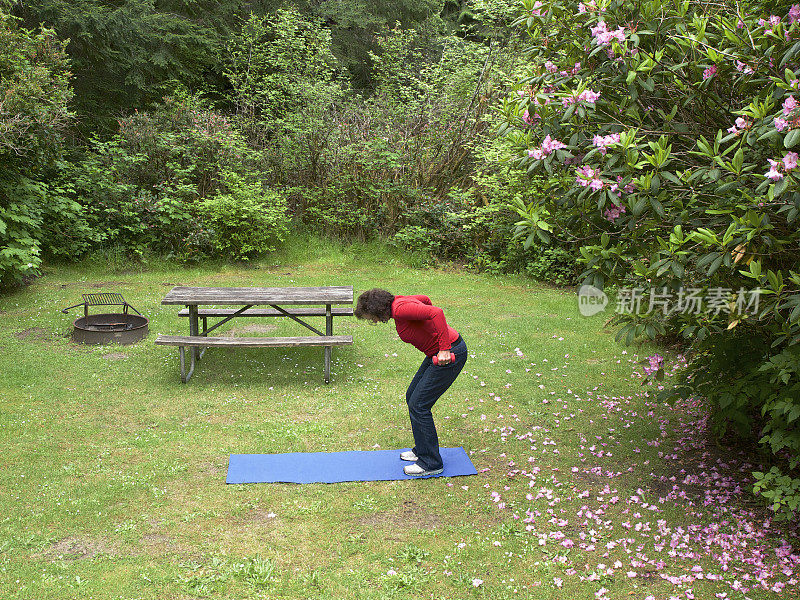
(118, 328)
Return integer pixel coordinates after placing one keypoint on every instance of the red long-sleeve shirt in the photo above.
(422, 325)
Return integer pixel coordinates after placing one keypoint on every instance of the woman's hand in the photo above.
(444, 357)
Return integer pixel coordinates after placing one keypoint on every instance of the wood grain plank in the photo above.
(270, 312)
(253, 342)
(255, 295)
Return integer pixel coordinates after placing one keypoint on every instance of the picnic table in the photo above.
(296, 303)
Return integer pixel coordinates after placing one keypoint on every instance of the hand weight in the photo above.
(436, 359)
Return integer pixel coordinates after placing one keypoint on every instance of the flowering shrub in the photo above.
(676, 126)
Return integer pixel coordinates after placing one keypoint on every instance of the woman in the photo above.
(422, 325)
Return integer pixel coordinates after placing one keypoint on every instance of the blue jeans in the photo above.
(430, 382)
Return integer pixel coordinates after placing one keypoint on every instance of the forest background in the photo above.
(195, 130)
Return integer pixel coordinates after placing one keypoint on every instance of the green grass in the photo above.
(113, 482)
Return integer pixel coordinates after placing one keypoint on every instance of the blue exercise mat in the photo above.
(335, 467)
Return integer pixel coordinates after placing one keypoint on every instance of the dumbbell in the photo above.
(435, 358)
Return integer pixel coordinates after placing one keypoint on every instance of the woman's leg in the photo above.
(427, 387)
(427, 362)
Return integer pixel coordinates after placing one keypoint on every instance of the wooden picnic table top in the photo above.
(259, 295)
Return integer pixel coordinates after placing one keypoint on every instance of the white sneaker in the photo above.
(409, 456)
(416, 471)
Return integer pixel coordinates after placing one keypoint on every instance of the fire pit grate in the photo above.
(121, 328)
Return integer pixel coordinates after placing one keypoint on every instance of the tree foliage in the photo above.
(142, 187)
(279, 68)
(34, 115)
(126, 54)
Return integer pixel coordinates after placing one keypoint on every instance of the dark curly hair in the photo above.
(375, 303)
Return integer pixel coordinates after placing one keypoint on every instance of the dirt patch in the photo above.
(36, 334)
(262, 517)
(158, 543)
(213, 468)
(408, 515)
(73, 548)
(115, 356)
(99, 284)
(588, 476)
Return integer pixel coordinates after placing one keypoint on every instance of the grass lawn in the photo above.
(113, 482)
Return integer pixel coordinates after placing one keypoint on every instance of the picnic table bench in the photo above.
(282, 302)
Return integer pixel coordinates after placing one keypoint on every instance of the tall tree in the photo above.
(125, 54)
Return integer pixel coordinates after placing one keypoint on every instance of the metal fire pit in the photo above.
(120, 328)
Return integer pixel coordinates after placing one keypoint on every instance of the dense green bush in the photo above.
(245, 221)
(142, 186)
(675, 124)
(34, 115)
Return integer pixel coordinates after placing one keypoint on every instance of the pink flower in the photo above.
(604, 36)
(710, 72)
(773, 172)
(526, 117)
(589, 96)
(603, 141)
(781, 124)
(550, 66)
(655, 361)
(550, 145)
(740, 125)
(743, 68)
(596, 184)
(584, 175)
(599, 29)
(613, 213)
(536, 11)
(774, 20)
(790, 160)
(789, 105)
(794, 14)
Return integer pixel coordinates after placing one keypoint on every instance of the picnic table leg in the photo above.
(194, 329)
(204, 333)
(328, 332)
(184, 375)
